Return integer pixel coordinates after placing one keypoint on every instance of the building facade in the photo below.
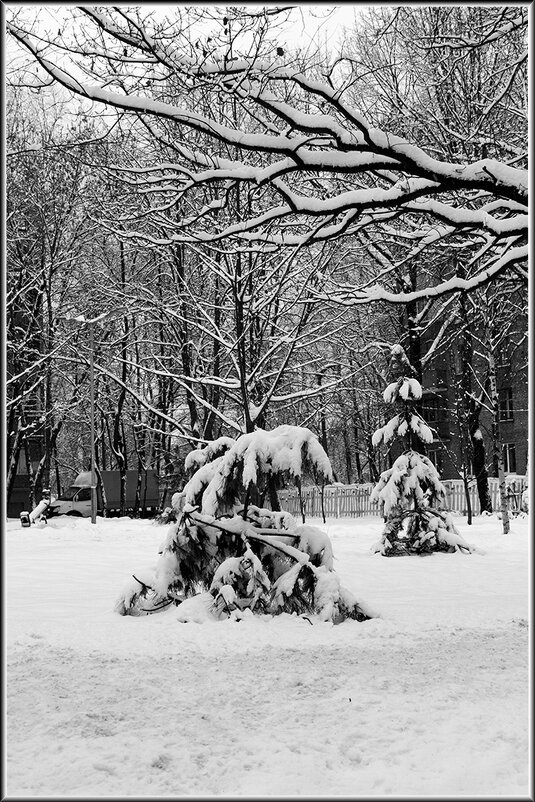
(441, 383)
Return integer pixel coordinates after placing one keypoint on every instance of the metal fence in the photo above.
(353, 501)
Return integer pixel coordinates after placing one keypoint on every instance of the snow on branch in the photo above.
(456, 284)
(200, 456)
(284, 451)
(315, 167)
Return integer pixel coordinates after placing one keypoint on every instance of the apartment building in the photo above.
(439, 382)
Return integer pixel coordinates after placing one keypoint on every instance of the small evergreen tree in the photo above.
(413, 497)
(236, 555)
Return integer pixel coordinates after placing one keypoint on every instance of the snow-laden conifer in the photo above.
(240, 556)
(412, 495)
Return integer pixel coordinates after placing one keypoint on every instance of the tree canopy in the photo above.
(238, 111)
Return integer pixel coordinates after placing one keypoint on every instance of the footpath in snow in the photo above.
(428, 699)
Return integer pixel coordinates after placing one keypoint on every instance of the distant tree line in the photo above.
(252, 233)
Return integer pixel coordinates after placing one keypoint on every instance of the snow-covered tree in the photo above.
(237, 556)
(413, 497)
(320, 167)
(47, 242)
(249, 169)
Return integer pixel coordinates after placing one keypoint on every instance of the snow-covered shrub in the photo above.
(412, 495)
(240, 556)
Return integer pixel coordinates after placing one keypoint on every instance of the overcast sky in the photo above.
(313, 23)
(309, 25)
(322, 22)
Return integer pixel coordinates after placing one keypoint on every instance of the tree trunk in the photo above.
(347, 453)
(56, 468)
(496, 443)
(301, 504)
(479, 468)
(272, 493)
(471, 408)
(137, 501)
(461, 419)
(467, 497)
(100, 483)
(42, 474)
(30, 471)
(414, 347)
(14, 460)
(374, 472)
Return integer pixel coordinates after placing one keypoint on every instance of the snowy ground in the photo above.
(431, 699)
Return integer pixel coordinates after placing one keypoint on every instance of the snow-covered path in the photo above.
(430, 699)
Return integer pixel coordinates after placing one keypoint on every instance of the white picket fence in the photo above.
(348, 501)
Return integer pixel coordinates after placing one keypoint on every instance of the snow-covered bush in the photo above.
(412, 495)
(240, 556)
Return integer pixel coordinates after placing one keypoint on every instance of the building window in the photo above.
(32, 408)
(502, 357)
(505, 398)
(434, 409)
(509, 457)
(436, 458)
